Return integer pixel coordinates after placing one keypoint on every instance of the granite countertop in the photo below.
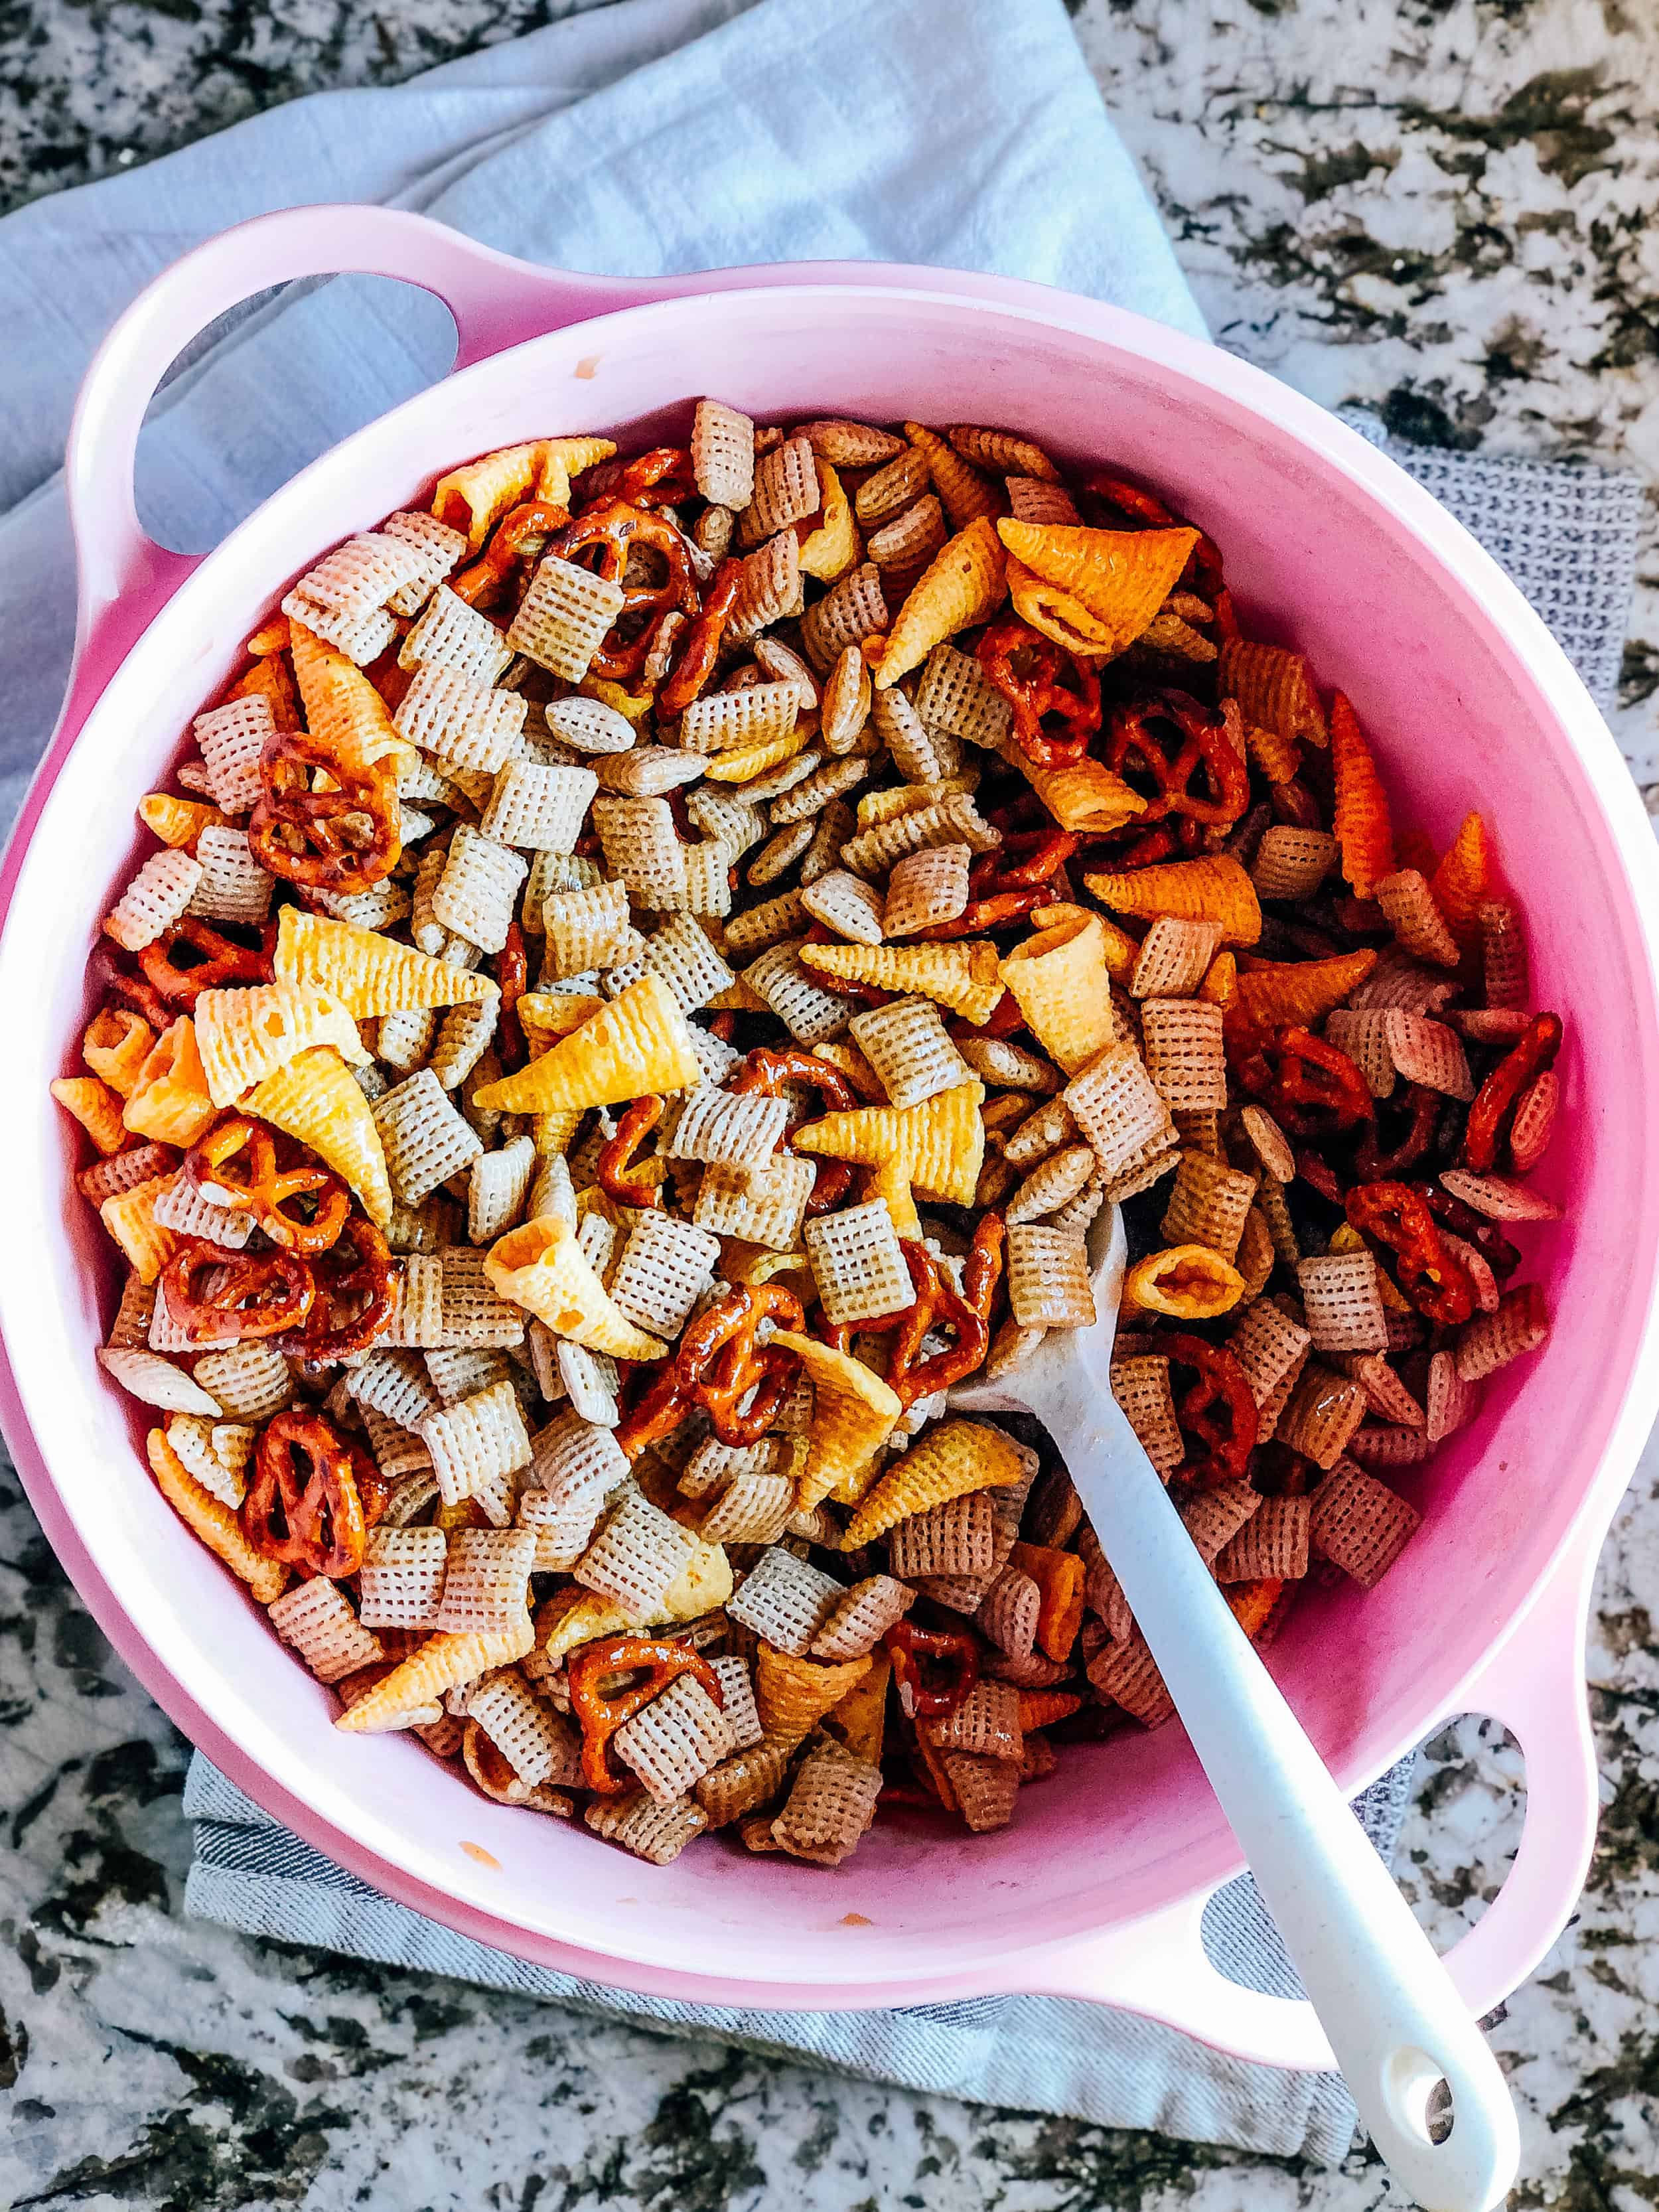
(1441, 207)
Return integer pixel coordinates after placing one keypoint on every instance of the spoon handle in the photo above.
(1394, 2022)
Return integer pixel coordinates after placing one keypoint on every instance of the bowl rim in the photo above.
(1489, 600)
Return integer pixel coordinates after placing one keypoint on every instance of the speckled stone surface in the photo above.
(1443, 207)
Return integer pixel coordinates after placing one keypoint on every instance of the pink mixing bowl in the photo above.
(1097, 1889)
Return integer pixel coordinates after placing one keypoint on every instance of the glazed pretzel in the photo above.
(906, 1645)
(303, 1506)
(512, 973)
(702, 641)
(936, 1304)
(766, 1071)
(718, 1364)
(620, 1176)
(1395, 1221)
(520, 537)
(236, 1164)
(345, 838)
(1040, 679)
(613, 533)
(1005, 885)
(218, 959)
(353, 1301)
(600, 1713)
(1204, 754)
(213, 1294)
(1218, 1409)
(662, 477)
(1309, 1086)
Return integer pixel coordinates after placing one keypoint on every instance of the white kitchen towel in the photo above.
(647, 137)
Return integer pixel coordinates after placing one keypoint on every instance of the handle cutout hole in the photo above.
(1419, 2096)
(1463, 1802)
(272, 384)
(1462, 1825)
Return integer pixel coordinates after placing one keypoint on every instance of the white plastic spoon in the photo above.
(1394, 2019)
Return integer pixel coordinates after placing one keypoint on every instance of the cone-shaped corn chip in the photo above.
(547, 1016)
(892, 1185)
(1188, 1281)
(1253, 1603)
(115, 1044)
(558, 460)
(1220, 985)
(243, 1036)
(939, 1146)
(879, 806)
(745, 763)
(1059, 615)
(1279, 759)
(1121, 576)
(170, 1101)
(95, 1107)
(950, 1462)
(474, 498)
(541, 1267)
(965, 582)
(1003, 453)
(792, 1695)
(1058, 1578)
(1087, 796)
(962, 977)
(129, 1218)
(1213, 888)
(1462, 881)
(703, 1583)
(1274, 690)
(831, 550)
(964, 492)
(1062, 981)
(343, 709)
(368, 973)
(860, 1719)
(210, 1518)
(176, 821)
(316, 1099)
(442, 1663)
(635, 705)
(738, 997)
(853, 1416)
(637, 1046)
(1302, 992)
(1361, 816)
(271, 677)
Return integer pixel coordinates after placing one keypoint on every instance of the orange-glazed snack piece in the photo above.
(170, 1100)
(1059, 1576)
(1361, 818)
(1462, 882)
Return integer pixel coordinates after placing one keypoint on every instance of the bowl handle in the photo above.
(124, 576)
(1534, 1685)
